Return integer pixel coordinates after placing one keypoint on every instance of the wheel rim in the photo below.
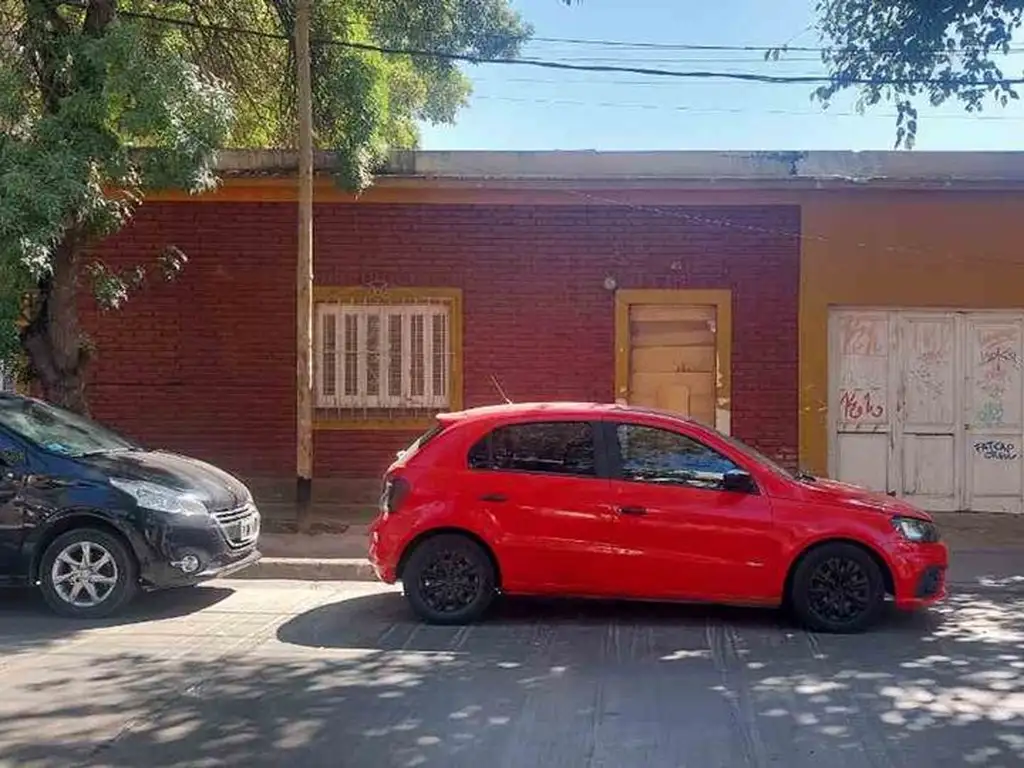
(84, 574)
(450, 582)
(840, 591)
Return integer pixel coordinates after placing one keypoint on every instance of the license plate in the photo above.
(247, 528)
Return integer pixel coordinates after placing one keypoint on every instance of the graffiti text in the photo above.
(996, 449)
(857, 405)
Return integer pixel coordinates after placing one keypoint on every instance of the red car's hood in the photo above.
(853, 496)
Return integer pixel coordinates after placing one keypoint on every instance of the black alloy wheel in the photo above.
(449, 579)
(838, 588)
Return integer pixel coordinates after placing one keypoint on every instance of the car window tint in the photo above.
(557, 448)
(661, 456)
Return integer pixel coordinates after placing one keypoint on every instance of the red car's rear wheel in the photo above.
(449, 579)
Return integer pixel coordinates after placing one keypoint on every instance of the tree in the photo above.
(911, 51)
(102, 100)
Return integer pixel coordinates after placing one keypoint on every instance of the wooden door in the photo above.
(672, 358)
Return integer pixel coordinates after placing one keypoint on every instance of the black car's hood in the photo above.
(214, 487)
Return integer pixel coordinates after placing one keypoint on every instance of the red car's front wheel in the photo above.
(837, 587)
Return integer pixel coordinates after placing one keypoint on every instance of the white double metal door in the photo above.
(929, 405)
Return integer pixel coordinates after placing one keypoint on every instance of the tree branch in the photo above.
(98, 16)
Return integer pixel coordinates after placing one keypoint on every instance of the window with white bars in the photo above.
(383, 356)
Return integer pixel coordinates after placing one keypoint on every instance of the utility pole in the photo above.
(304, 269)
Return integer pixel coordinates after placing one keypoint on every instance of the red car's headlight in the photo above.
(918, 531)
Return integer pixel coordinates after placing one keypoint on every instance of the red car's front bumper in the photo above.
(919, 573)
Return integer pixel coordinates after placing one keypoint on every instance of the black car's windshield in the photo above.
(57, 430)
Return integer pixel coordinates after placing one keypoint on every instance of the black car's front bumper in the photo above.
(220, 570)
(179, 550)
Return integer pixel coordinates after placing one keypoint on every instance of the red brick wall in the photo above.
(206, 364)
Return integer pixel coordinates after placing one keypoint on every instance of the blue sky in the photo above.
(522, 108)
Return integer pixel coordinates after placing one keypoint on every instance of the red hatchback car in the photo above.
(613, 501)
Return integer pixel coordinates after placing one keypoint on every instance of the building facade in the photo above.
(911, 345)
(832, 309)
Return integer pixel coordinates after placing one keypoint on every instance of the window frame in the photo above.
(611, 438)
(384, 398)
(601, 466)
(407, 418)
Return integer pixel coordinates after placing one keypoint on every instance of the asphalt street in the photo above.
(339, 674)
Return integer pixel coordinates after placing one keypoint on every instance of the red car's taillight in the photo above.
(395, 491)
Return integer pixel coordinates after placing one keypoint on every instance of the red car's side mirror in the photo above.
(738, 481)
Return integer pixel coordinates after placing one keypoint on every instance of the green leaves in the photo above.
(365, 102)
(102, 100)
(911, 51)
(91, 119)
(132, 116)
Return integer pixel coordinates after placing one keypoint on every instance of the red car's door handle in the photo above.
(494, 497)
(636, 511)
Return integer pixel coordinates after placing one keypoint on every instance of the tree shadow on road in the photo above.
(27, 624)
(357, 682)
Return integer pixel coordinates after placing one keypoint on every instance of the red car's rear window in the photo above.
(417, 445)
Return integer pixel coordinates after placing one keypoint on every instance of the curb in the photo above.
(359, 569)
(309, 569)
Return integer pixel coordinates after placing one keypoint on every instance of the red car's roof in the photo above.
(554, 410)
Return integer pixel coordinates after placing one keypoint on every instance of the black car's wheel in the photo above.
(449, 579)
(87, 574)
(837, 588)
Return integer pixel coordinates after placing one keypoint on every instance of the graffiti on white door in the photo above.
(929, 405)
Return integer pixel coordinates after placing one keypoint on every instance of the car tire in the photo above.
(837, 588)
(87, 573)
(449, 579)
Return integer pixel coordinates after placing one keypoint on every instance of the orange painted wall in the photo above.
(932, 248)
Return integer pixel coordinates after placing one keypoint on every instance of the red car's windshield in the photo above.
(755, 455)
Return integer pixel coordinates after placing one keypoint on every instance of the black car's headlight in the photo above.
(918, 531)
(159, 498)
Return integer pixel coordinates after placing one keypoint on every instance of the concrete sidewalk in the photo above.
(313, 557)
(342, 557)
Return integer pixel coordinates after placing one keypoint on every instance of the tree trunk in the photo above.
(52, 338)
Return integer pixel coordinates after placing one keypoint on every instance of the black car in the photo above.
(92, 518)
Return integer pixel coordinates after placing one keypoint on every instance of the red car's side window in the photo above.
(653, 455)
(553, 448)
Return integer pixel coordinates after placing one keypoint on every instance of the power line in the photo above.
(735, 48)
(760, 48)
(584, 81)
(673, 46)
(683, 59)
(750, 77)
(756, 48)
(726, 110)
(644, 59)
